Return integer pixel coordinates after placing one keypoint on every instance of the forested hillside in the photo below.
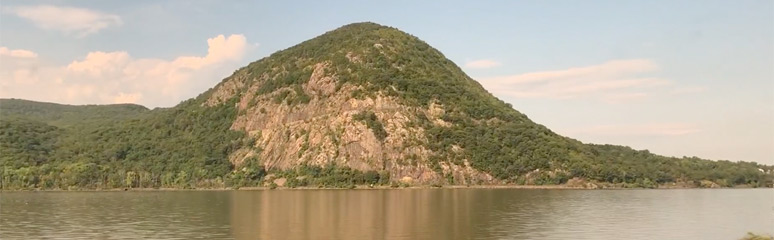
(173, 147)
(362, 104)
(69, 115)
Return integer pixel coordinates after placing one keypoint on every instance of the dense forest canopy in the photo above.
(53, 146)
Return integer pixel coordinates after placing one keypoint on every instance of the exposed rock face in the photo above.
(324, 131)
(227, 89)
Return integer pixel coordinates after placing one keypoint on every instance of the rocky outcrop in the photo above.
(324, 131)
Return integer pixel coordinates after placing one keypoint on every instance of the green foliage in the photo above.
(292, 98)
(185, 146)
(279, 98)
(370, 120)
(25, 142)
(331, 175)
(301, 96)
(250, 174)
(62, 115)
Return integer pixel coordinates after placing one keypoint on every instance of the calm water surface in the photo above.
(389, 214)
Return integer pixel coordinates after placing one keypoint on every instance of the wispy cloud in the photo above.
(688, 90)
(70, 20)
(614, 79)
(609, 69)
(482, 64)
(117, 77)
(648, 129)
(17, 53)
(615, 98)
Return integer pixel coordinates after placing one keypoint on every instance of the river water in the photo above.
(389, 214)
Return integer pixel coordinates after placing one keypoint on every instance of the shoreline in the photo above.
(366, 187)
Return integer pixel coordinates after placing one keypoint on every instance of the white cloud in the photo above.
(17, 66)
(98, 63)
(482, 64)
(25, 76)
(17, 53)
(649, 129)
(220, 49)
(117, 77)
(610, 80)
(78, 21)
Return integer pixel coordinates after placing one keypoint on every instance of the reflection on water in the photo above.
(389, 214)
(114, 215)
(407, 214)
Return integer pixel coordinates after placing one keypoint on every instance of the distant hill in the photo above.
(362, 104)
(66, 115)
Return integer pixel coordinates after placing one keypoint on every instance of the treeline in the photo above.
(333, 176)
(181, 147)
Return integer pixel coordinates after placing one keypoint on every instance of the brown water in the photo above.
(389, 214)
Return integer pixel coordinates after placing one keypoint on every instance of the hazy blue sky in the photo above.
(676, 77)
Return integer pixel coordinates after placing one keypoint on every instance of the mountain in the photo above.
(362, 104)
